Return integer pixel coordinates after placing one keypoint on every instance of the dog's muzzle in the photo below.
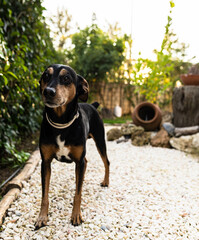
(49, 92)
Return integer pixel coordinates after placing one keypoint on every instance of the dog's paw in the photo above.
(104, 184)
(41, 222)
(76, 219)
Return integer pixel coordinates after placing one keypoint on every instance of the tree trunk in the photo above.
(186, 106)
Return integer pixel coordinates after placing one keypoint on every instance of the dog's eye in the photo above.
(66, 79)
(46, 76)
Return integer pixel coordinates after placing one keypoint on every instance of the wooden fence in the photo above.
(110, 95)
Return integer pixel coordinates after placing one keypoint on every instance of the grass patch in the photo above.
(120, 120)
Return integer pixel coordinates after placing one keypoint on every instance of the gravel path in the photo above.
(153, 194)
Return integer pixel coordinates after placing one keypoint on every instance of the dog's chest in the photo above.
(63, 154)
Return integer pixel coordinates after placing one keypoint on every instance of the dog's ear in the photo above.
(82, 88)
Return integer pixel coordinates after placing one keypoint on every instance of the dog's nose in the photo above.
(49, 92)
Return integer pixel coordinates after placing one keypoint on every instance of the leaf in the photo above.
(172, 4)
(5, 79)
(12, 74)
(7, 66)
(24, 68)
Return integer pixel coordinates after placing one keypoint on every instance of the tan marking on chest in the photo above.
(75, 152)
(60, 110)
(63, 150)
(48, 151)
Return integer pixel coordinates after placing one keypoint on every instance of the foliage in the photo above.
(154, 80)
(25, 50)
(95, 54)
(14, 157)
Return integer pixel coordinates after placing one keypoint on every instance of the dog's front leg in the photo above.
(76, 218)
(45, 177)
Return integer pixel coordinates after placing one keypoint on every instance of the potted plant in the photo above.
(192, 78)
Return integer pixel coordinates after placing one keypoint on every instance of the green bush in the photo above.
(25, 50)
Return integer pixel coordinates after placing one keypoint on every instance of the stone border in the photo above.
(14, 187)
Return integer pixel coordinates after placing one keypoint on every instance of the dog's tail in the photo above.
(95, 104)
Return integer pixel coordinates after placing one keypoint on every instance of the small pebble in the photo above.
(104, 228)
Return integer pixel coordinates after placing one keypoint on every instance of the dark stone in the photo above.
(169, 127)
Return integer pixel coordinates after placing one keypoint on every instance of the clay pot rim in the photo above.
(189, 75)
(152, 106)
(190, 79)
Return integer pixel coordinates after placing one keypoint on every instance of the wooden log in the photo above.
(186, 106)
(25, 173)
(7, 201)
(13, 187)
(186, 131)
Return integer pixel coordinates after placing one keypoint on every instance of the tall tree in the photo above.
(95, 54)
(61, 28)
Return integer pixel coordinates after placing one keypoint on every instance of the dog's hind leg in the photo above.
(106, 162)
(99, 138)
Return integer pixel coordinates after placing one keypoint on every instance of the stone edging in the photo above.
(14, 187)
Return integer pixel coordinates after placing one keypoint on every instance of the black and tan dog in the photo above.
(65, 128)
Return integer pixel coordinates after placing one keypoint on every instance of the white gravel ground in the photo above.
(153, 194)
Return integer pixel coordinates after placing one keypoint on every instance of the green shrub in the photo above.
(25, 50)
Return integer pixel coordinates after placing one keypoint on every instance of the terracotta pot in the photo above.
(147, 115)
(190, 79)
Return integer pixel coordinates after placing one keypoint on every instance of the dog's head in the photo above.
(59, 85)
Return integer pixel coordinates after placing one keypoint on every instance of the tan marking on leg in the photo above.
(104, 158)
(105, 182)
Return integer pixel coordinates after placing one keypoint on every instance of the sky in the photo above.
(145, 20)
